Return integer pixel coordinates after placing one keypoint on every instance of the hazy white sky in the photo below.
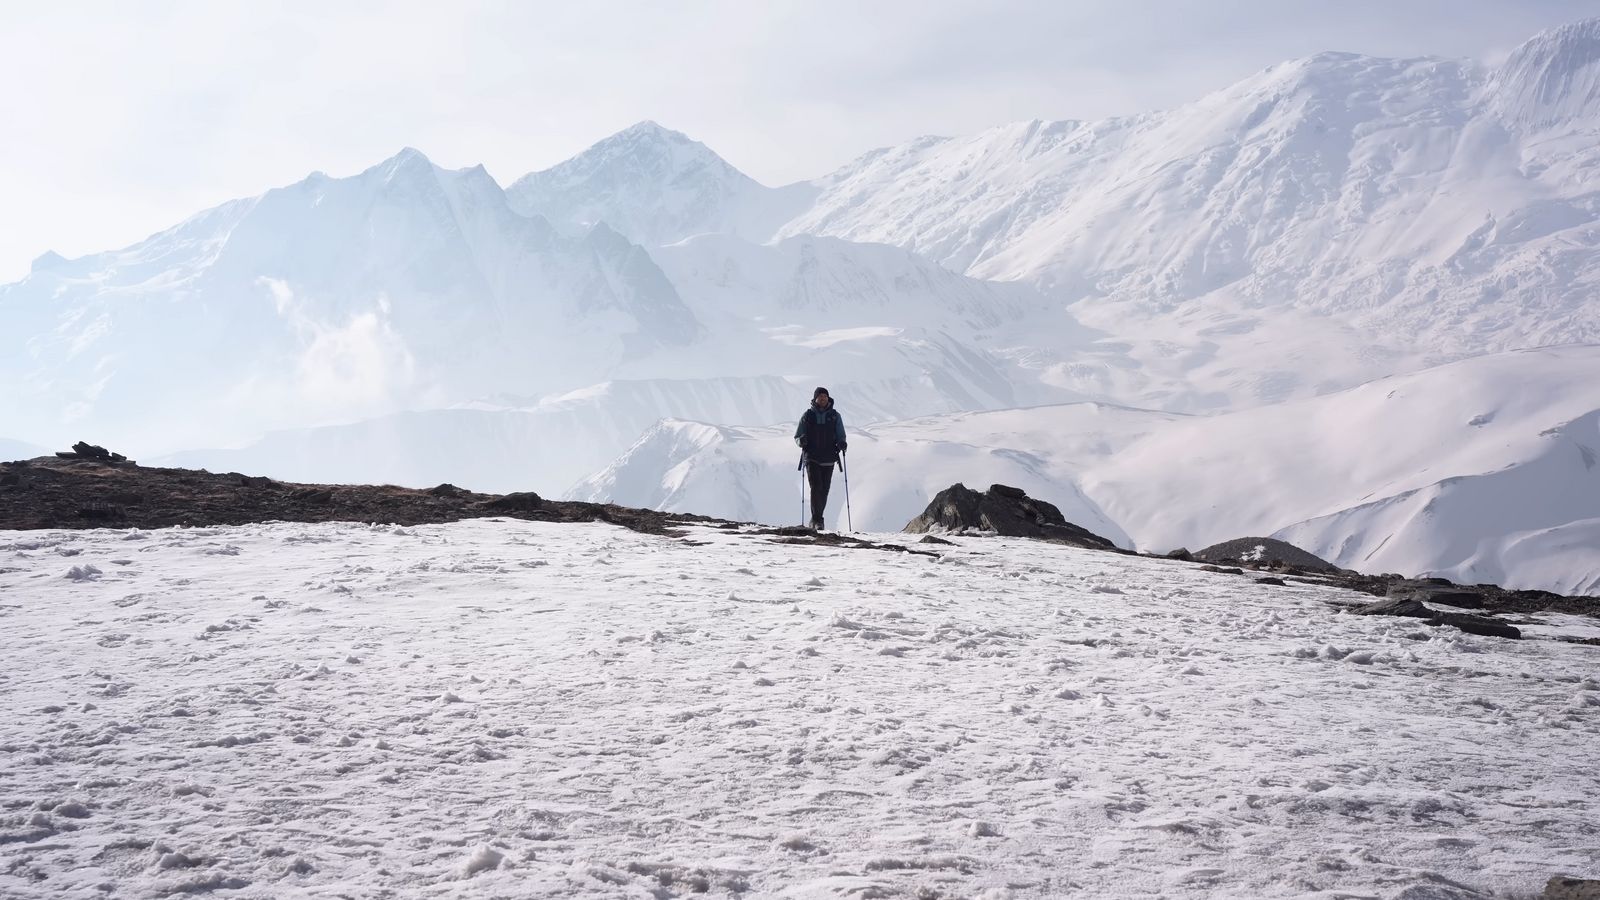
(124, 118)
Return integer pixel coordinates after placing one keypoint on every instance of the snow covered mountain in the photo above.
(657, 186)
(1482, 470)
(775, 321)
(1438, 202)
(329, 299)
(1326, 222)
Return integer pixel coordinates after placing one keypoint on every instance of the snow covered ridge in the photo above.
(1408, 198)
(1479, 471)
(504, 708)
(1325, 222)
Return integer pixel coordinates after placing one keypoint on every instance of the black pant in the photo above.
(821, 478)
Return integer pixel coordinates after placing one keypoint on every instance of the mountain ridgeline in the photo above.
(1285, 240)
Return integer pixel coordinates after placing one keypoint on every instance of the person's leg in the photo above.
(821, 479)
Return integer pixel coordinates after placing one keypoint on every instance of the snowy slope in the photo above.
(514, 709)
(326, 300)
(1412, 211)
(656, 186)
(899, 334)
(1482, 470)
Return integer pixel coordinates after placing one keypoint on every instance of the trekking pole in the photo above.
(802, 490)
(849, 524)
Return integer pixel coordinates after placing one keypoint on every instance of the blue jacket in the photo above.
(821, 435)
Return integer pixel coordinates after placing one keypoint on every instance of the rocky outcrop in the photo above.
(1562, 887)
(85, 450)
(86, 491)
(1412, 607)
(1265, 552)
(1436, 590)
(1005, 511)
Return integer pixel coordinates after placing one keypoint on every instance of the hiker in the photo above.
(820, 435)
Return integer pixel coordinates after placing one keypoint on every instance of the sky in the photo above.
(121, 119)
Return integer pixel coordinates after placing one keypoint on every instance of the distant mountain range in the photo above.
(1323, 223)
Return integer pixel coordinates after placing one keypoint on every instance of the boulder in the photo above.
(85, 450)
(1004, 510)
(1397, 606)
(1482, 625)
(1437, 590)
(1263, 551)
(1182, 553)
(1562, 887)
(520, 501)
(1412, 607)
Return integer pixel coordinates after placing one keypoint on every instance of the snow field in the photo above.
(504, 708)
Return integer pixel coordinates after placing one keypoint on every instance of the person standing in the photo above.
(820, 436)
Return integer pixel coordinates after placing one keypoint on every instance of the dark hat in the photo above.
(818, 392)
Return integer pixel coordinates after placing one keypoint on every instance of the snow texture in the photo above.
(514, 708)
(503, 708)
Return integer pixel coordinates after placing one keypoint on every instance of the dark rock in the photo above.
(520, 501)
(446, 490)
(1270, 580)
(1563, 888)
(1182, 553)
(930, 539)
(87, 450)
(53, 492)
(1264, 552)
(1431, 591)
(1006, 511)
(1416, 609)
(252, 481)
(10, 479)
(1397, 606)
(1484, 625)
(1222, 570)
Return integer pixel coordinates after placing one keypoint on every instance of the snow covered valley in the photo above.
(509, 708)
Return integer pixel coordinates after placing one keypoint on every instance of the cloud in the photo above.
(346, 369)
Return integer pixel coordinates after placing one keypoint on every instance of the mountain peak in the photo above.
(650, 128)
(1554, 76)
(408, 156)
(48, 260)
(651, 184)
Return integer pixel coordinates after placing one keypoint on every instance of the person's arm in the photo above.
(838, 432)
(800, 430)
